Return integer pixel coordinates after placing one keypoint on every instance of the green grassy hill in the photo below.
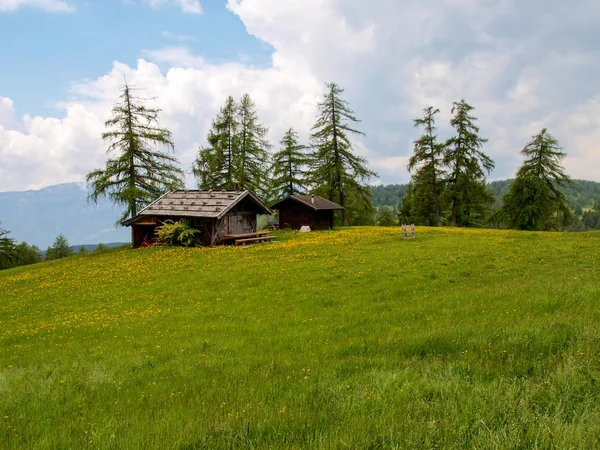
(343, 339)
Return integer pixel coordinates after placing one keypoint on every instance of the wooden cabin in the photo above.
(218, 214)
(297, 211)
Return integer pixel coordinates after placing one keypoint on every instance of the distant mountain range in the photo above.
(37, 217)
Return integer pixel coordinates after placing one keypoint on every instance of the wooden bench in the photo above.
(256, 240)
(408, 231)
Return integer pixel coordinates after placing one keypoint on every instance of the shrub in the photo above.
(386, 218)
(178, 234)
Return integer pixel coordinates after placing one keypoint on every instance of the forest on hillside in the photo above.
(583, 197)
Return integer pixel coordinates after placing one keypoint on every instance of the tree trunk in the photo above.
(454, 209)
(337, 163)
(437, 201)
(132, 202)
(435, 187)
(291, 175)
(230, 153)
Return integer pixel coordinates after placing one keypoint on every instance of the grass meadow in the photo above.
(345, 339)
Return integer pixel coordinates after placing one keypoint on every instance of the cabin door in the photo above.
(240, 224)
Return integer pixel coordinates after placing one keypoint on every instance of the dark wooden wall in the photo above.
(323, 220)
(139, 233)
(294, 215)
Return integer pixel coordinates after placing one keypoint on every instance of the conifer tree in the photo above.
(468, 166)
(336, 170)
(26, 254)
(238, 150)
(59, 249)
(417, 205)
(214, 167)
(136, 172)
(534, 201)
(7, 249)
(426, 167)
(251, 161)
(288, 166)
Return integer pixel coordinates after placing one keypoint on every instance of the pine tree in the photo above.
(59, 249)
(418, 204)
(26, 254)
(288, 166)
(468, 166)
(251, 161)
(7, 249)
(238, 150)
(534, 201)
(136, 172)
(426, 164)
(336, 170)
(214, 167)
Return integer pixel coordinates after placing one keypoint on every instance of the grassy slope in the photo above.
(344, 339)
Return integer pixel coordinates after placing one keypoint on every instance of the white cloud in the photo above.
(50, 150)
(175, 57)
(178, 37)
(186, 6)
(393, 58)
(45, 5)
(7, 113)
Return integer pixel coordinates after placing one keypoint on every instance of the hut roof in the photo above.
(319, 203)
(204, 204)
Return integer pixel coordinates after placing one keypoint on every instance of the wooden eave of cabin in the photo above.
(320, 203)
(196, 204)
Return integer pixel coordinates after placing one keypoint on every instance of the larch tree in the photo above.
(7, 249)
(336, 170)
(288, 168)
(237, 152)
(214, 167)
(59, 249)
(534, 201)
(251, 163)
(426, 167)
(468, 166)
(137, 171)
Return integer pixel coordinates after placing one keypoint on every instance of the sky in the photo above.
(523, 64)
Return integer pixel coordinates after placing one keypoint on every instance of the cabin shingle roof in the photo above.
(203, 204)
(320, 203)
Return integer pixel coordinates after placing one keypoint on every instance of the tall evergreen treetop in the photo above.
(251, 162)
(427, 162)
(237, 151)
(137, 172)
(7, 249)
(468, 165)
(60, 248)
(543, 160)
(534, 201)
(288, 166)
(335, 168)
(214, 167)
